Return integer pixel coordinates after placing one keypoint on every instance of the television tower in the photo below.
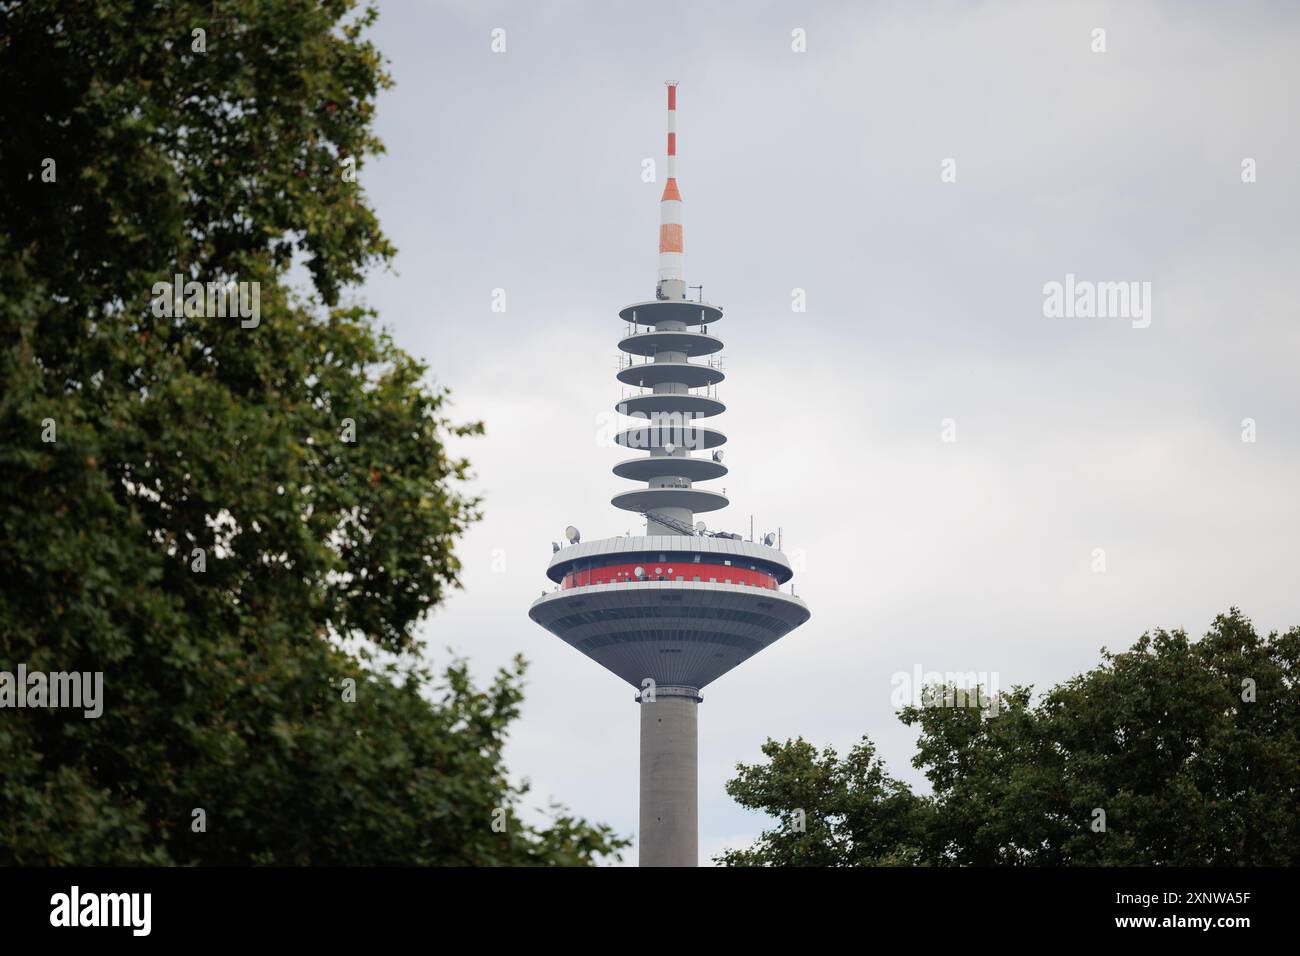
(676, 608)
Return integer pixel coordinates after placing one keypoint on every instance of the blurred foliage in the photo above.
(1159, 737)
(224, 688)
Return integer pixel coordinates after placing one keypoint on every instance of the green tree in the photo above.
(232, 519)
(1190, 749)
(833, 812)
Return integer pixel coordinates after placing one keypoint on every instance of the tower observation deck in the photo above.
(674, 609)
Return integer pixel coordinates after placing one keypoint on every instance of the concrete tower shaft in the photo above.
(670, 778)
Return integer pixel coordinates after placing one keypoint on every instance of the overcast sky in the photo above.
(821, 171)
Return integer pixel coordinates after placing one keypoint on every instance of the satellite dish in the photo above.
(670, 448)
(699, 527)
(572, 534)
(555, 546)
(769, 539)
(717, 456)
(639, 572)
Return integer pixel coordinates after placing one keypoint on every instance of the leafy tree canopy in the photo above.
(209, 510)
(1191, 749)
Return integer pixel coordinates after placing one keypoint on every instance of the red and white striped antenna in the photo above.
(672, 273)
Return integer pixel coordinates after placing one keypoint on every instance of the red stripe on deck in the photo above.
(688, 571)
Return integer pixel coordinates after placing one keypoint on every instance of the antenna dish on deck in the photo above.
(700, 527)
(717, 456)
(769, 539)
(555, 546)
(571, 533)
